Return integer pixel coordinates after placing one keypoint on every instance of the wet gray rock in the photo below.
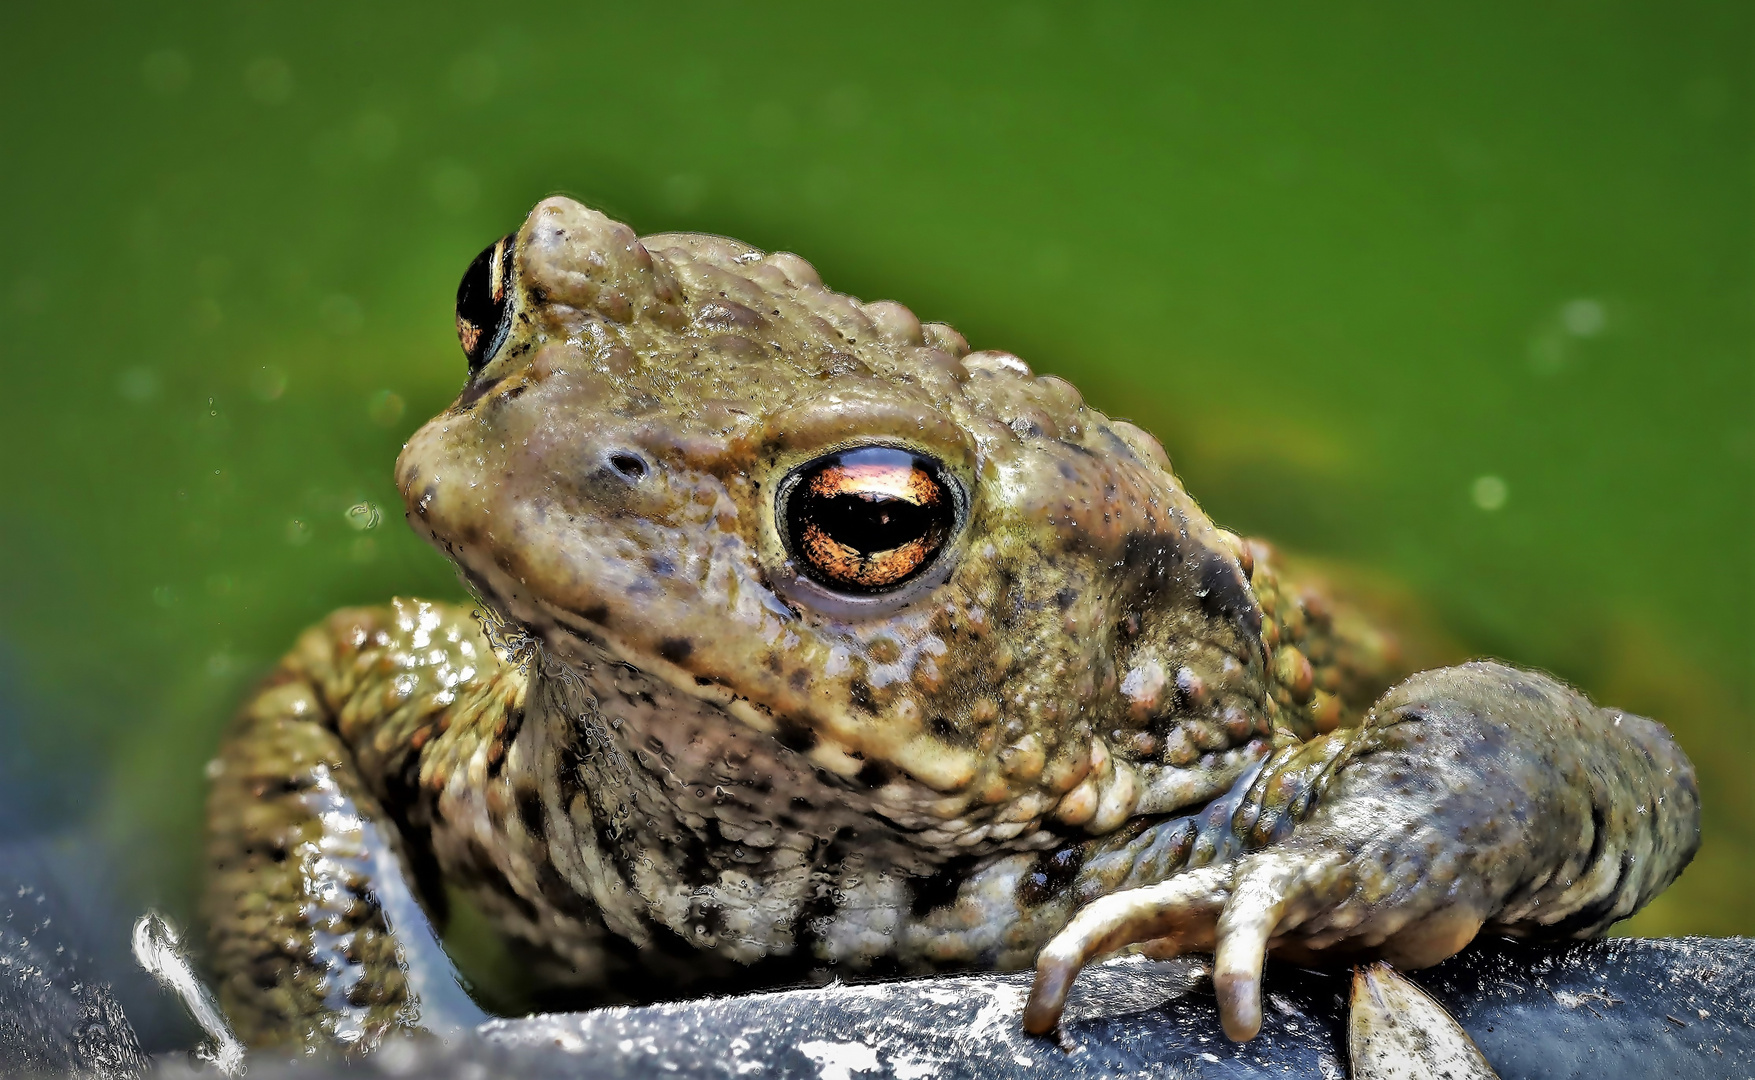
(56, 1017)
(1678, 1008)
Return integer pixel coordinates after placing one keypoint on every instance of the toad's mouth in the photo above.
(691, 740)
(606, 606)
(589, 649)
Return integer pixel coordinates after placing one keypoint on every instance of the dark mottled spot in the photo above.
(931, 893)
(1599, 839)
(274, 852)
(859, 691)
(1224, 594)
(1153, 559)
(1066, 598)
(570, 777)
(799, 679)
(1592, 915)
(504, 732)
(676, 650)
(833, 363)
(794, 736)
(1410, 714)
(875, 774)
(558, 893)
(708, 914)
(829, 869)
(661, 565)
(1052, 872)
(475, 391)
(273, 787)
(1068, 473)
(597, 613)
(529, 803)
(945, 731)
(1524, 687)
(427, 495)
(1117, 445)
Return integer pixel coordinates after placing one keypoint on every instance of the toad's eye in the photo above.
(484, 303)
(867, 520)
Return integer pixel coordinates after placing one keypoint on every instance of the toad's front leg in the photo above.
(314, 931)
(1471, 796)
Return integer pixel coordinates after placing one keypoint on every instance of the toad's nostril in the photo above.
(631, 466)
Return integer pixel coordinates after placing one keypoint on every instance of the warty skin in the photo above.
(673, 759)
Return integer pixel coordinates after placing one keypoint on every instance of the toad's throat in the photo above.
(835, 743)
(676, 773)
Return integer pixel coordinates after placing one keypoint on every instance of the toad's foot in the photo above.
(1470, 796)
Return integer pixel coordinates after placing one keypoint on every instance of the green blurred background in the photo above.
(1459, 296)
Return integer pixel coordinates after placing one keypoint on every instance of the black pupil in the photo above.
(869, 523)
(484, 303)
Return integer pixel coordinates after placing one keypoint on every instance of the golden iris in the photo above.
(868, 520)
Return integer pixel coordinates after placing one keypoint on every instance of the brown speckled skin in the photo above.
(687, 765)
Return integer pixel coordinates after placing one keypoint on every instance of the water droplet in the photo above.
(364, 515)
(1489, 492)
(1583, 317)
(138, 384)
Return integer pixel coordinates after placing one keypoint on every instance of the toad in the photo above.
(812, 641)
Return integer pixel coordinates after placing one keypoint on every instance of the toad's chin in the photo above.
(582, 644)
